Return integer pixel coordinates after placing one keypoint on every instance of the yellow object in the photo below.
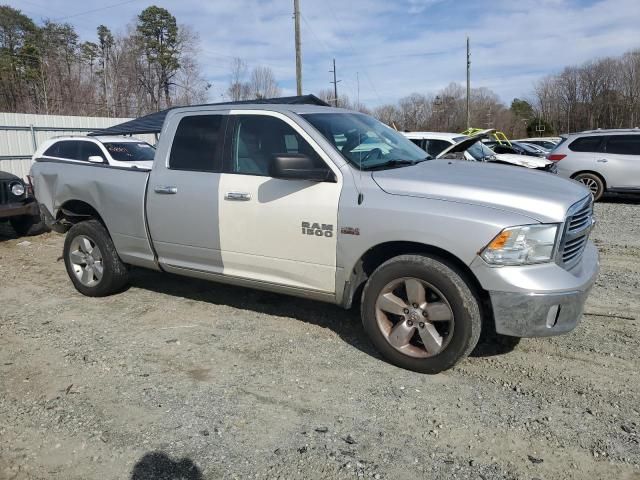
(500, 137)
(500, 241)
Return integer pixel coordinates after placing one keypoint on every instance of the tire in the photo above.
(23, 224)
(446, 295)
(593, 182)
(88, 243)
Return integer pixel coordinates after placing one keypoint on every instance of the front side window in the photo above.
(89, 149)
(130, 151)
(480, 152)
(257, 139)
(197, 144)
(365, 142)
(624, 144)
(434, 147)
(586, 144)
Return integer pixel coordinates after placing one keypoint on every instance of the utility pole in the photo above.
(335, 83)
(296, 18)
(468, 84)
(358, 84)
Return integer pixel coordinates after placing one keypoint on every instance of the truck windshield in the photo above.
(130, 151)
(365, 142)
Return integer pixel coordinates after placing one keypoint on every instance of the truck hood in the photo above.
(523, 160)
(538, 195)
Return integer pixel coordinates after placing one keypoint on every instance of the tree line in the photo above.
(153, 65)
(46, 69)
(603, 93)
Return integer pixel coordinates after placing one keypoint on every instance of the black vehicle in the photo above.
(17, 204)
(515, 148)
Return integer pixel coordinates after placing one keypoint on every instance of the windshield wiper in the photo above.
(394, 164)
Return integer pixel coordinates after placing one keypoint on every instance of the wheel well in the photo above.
(76, 211)
(376, 256)
(591, 172)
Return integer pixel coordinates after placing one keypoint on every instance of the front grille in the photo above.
(4, 192)
(577, 228)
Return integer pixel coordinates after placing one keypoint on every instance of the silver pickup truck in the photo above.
(335, 206)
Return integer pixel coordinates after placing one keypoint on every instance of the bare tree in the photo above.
(238, 88)
(262, 83)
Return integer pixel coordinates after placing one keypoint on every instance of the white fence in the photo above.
(21, 133)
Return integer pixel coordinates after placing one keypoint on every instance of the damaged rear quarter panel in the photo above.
(117, 194)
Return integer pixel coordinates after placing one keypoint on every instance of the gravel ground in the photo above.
(179, 378)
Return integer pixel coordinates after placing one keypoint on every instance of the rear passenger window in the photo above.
(196, 145)
(586, 144)
(69, 149)
(624, 144)
(53, 150)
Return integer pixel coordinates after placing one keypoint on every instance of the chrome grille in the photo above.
(577, 228)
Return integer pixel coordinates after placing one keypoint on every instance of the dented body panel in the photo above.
(117, 194)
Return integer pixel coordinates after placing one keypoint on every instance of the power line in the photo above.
(106, 7)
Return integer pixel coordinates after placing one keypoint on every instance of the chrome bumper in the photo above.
(539, 300)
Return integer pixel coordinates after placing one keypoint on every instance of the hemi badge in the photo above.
(350, 231)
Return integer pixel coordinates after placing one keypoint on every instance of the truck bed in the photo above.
(117, 193)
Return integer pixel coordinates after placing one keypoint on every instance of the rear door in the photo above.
(622, 159)
(273, 230)
(182, 199)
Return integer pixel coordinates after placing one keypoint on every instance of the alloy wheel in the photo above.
(86, 260)
(414, 317)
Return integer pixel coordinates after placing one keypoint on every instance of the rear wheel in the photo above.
(592, 182)
(93, 264)
(420, 314)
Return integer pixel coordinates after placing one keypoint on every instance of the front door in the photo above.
(622, 158)
(182, 200)
(272, 230)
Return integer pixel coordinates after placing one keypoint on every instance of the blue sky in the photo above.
(395, 47)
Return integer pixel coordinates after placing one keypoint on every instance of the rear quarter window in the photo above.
(586, 144)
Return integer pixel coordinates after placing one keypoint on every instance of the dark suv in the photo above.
(17, 204)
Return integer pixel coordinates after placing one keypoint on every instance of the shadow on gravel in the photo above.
(6, 232)
(158, 466)
(346, 323)
(628, 198)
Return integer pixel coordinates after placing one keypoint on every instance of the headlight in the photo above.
(522, 245)
(17, 189)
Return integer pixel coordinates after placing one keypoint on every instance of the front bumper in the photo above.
(538, 300)
(8, 210)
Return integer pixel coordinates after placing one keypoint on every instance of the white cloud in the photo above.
(397, 47)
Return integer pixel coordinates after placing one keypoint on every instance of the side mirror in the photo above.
(95, 159)
(298, 166)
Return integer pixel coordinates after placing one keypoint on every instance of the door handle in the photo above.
(237, 196)
(602, 160)
(166, 190)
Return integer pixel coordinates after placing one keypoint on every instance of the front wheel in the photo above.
(93, 264)
(420, 314)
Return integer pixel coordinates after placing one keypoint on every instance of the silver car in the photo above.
(604, 160)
